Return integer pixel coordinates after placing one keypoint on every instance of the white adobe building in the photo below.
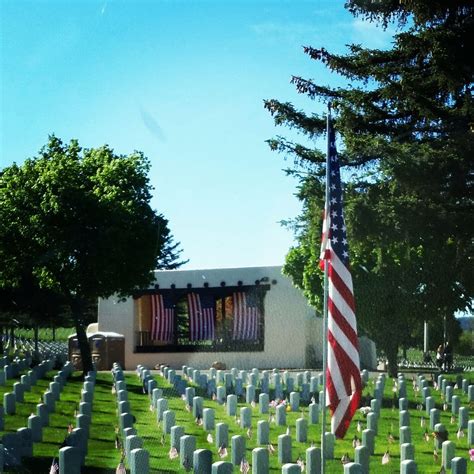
(243, 317)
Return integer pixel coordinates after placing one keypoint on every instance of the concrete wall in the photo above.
(293, 332)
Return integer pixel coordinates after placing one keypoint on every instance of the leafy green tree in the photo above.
(406, 126)
(81, 222)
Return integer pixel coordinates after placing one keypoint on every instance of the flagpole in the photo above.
(325, 310)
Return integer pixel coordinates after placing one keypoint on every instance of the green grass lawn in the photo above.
(103, 457)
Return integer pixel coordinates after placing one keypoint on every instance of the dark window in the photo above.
(204, 319)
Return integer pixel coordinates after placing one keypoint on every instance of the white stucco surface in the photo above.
(292, 329)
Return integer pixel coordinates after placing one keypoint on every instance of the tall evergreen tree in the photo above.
(406, 124)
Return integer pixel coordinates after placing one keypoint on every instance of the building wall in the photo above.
(293, 332)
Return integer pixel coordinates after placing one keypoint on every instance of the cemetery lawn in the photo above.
(103, 456)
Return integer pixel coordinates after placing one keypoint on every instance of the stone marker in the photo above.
(221, 394)
(434, 418)
(455, 404)
(70, 460)
(404, 418)
(231, 406)
(222, 467)
(239, 387)
(405, 435)
(132, 442)
(169, 420)
(447, 453)
(123, 407)
(208, 422)
(407, 451)
(368, 440)
(156, 394)
(176, 433)
(470, 432)
(187, 445)
(9, 403)
(280, 415)
(263, 403)
(263, 432)
(26, 442)
(260, 461)
(449, 393)
(238, 449)
(198, 403)
(161, 407)
(329, 441)
(408, 467)
(402, 404)
(250, 394)
(313, 460)
(139, 461)
(362, 457)
(459, 465)
(202, 461)
(222, 435)
(245, 417)
(284, 449)
(19, 390)
(437, 441)
(429, 404)
(294, 401)
(372, 422)
(43, 413)
(470, 393)
(301, 430)
(463, 417)
(126, 421)
(190, 393)
(313, 413)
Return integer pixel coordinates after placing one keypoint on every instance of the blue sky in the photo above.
(184, 82)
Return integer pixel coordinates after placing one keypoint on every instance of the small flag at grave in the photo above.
(471, 454)
(343, 381)
(271, 449)
(222, 452)
(244, 466)
(460, 433)
(300, 463)
(386, 458)
(54, 467)
(210, 439)
(173, 453)
(426, 436)
(121, 468)
(345, 459)
(435, 455)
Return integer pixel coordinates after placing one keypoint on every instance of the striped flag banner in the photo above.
(343, 386)
(162, 318)
(246, 317)
(201, 317)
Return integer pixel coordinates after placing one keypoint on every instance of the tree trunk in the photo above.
(12, 338)
(54, 333)
(392, 353)
(86, 356)
(1, 339)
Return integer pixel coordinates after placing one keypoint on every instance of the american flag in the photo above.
(162, 318)
(201, 317)
(246, 317)
(343, 386)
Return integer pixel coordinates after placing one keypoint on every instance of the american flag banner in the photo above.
(162, 318)
(343, 382)
(246, 317)
(201, 317)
